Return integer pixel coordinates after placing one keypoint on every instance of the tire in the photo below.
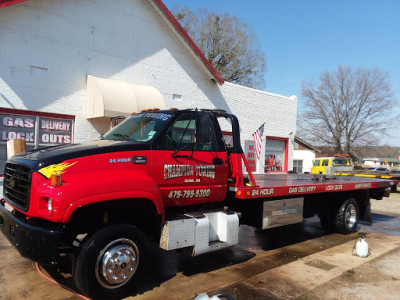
(347, 217)
(109, 261)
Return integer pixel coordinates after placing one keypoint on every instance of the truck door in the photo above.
(315, 169)
(326, 167)
(190, 162)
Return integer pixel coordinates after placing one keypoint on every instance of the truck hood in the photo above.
(43, 157)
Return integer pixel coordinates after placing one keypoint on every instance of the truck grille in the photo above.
(17, 183)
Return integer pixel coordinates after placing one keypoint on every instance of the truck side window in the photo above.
(325, 162)
(224, 126)
(191, 130)
(205, 133)
(316, 163)
(181, 133)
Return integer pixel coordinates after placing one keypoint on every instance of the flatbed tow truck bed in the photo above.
(278, 185)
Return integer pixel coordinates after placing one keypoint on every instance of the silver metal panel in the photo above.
(201, 236)
(206, 232)
(222, 232)
(224, 227)
(178, 234)
(213, 219)
(228, 227)
(282, 212)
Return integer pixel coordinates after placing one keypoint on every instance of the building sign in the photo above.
(17, 127)
(39, 129)
(55, 131)
(35, 130)
(250, 155)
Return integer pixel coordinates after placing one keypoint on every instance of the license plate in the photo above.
(8, 207)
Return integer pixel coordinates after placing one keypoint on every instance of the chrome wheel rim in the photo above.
(117, 263)
(350, 216)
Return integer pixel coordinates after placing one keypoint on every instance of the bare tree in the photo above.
(229, 44)
(348, 107)
(384, 151)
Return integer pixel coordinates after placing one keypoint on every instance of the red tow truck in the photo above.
(162, 176)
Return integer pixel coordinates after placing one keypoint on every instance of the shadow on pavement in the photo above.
(165, 265)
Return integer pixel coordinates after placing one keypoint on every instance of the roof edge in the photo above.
(179, 29)
(4, 3)
(307, 144)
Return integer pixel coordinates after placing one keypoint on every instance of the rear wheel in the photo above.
(347, 217)
(342, 218)
(109, 261)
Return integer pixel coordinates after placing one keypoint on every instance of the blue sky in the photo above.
(301, 39)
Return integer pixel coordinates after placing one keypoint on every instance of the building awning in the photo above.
(114, 98)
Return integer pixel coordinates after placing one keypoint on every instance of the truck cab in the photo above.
(152, 168)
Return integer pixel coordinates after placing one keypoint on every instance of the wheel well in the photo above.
(139, 212)
(322, 203)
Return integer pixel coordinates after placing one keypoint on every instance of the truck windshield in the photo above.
(139, 128)
(340, 162)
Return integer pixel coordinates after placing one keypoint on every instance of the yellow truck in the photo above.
(332, 165)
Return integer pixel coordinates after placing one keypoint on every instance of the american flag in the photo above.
(257, 136)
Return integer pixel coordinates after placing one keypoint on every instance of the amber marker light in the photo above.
(55, 180)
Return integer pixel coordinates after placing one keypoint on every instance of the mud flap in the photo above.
(365, 212)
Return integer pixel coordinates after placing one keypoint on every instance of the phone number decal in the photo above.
(179, 194)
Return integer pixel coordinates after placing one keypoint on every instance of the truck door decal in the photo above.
(175, 171)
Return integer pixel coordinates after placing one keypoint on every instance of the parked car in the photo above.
(380, 169)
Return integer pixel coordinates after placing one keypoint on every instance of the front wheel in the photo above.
(109, 261)
(347, 217)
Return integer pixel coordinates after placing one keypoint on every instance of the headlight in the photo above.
(49, 204)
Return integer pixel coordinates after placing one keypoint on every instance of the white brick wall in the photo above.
(48, 47)
(254, 107)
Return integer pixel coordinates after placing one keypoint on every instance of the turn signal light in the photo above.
(55, 180)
